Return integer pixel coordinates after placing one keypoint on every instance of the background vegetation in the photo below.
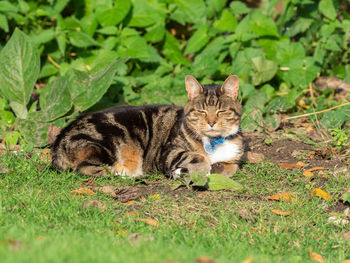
(65, 57)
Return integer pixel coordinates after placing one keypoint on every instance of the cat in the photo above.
(203, 136)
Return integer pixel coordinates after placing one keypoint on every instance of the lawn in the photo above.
(50, 216)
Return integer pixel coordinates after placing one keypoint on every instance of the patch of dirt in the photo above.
(282, 150)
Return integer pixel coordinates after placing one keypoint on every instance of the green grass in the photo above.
(41, 222)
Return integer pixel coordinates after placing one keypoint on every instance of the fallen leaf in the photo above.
(3, 169)
(320, 193)
(148, 221)
(248, 260)
(52, 133)
(347, 236)
(221, 182)
(155, 196)
(107, 189)
(128, 193)
(291, 166)
(283, 196)
(205, 260)
(309, 172)
(315, 257)
(93, 203)
(82, 191)
(14, 244)
(90, 182)
(281, 213)
(253, 157)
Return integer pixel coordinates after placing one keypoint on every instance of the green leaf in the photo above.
(264, 70)
(113, 16)
(326, 7)
(19, 70)
(43, 36)
(146, 13)
(299, 26)
(239, 8)
(81, 39)
(87, 89)
(262, 25)
(214, 6)
(109, 30)
(221, 182)
(47, 70)
(346, 197)
(172, 51)
(198, 40)
(11, 138)
(191, 11)
(199, 179)
(55, 101)
(7, 117)
(6, 6)
(3, 23)
(132, 45)
(61, 42)
(33, 131)
(155, 33)
(227, 22)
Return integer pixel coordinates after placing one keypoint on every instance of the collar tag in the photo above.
(211, 147)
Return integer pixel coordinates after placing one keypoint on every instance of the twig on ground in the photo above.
(317, 112)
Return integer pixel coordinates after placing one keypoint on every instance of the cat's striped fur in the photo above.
(137, 140)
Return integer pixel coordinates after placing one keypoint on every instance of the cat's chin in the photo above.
(212, 133)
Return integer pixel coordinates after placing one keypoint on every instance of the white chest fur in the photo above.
(223, 152)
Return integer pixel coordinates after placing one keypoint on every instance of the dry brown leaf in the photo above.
(309, 172)
(107, 189)
(148, 221)
(205, 260)
(248, 260)
(316, 257)
(281, 213)
(346, 261)
(82, 191)
(253, 157)
(283, 196)
(52, 133)
(128, 193)
(93, 203)
(320, 193)
(291, 166)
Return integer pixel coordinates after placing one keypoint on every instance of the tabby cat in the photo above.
(204, 136)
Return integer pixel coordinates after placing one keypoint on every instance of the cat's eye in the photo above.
(201, 112)
(225, 112)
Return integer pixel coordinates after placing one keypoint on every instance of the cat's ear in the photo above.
(193, 87)
(231, 87)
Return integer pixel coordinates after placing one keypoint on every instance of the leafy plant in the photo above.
(62, 49)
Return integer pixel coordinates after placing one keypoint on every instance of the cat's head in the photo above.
(213, 110)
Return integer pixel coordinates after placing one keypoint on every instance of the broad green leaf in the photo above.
(87, 89)
(198, 40)
(273, 121)
(191, 11)
(81, 39)
(214, 6)
(33, 131)
(11, 138)
(89, 24)
(239, 8)
(262, 25)
(299, 26)
(55, 101)
(113, 16)
(19, 70)
(336, 118)
(146, 13)
(155, 33)
(132, 45)
(3, 23)
(227, 22)
(7, 117)
(326, 7)
(346, 197)
(61, 42)
(109, 30)
(43, 37)
(264, 70)
(287, 51)
(221, 182)
(199, 179)
(172, 51)
(47, 70)
(6, 6)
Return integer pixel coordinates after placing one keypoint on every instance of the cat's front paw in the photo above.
(227, 169)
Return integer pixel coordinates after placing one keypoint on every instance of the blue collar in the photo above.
(210, 147)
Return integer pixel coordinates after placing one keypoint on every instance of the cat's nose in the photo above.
(211, 123)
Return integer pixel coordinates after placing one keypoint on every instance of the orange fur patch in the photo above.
(129, 160)
(81, 156)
